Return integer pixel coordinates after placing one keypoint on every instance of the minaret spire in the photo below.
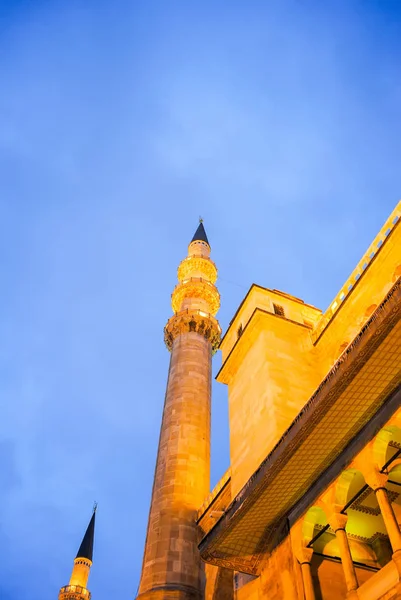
(76, 589)
(86, 547)
(200, 233)
(172, 567)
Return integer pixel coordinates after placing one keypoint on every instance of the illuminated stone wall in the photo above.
(272, 362)
(172, 567)
(276, 353)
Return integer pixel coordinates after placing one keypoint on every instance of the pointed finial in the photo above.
(200, 233)
(86, 547)
(94, 506)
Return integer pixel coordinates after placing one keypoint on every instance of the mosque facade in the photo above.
(310, 508)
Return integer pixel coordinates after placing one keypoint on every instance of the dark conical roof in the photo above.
(200, 234)
(86, 547)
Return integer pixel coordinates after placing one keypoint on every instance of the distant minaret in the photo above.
(76, 589)
(172, 567)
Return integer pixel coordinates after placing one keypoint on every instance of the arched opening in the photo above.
(367, 536)
(326, 569)
(394, 488)
(387, 446)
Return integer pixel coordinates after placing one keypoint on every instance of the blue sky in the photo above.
(121, 123)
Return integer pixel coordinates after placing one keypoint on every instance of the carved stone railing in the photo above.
(209, 499)
(74, 592)
(196, 287)
(201, 264)
(352, 280)
(193, 320)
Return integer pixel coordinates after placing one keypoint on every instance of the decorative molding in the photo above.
(74, 592)
(196, 287)
(353, 536)
(245, 513)
(378, 536)
(214, 493)
(360, 269)
(239, 348)
(370, 510)
(199, 264)
(242, 564)
(193, 321)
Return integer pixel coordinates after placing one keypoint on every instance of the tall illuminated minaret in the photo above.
(76, 589)
(172, 566)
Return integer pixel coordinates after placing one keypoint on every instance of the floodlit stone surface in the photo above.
(310, 508)
(172, 566)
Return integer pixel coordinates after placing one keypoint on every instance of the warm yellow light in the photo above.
(197, 264)
(196, 288)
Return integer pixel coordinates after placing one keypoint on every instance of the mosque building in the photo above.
(310, 508)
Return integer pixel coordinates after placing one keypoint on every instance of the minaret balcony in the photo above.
(197, 321)
(74, 592)
(193, 288)
(197, 264)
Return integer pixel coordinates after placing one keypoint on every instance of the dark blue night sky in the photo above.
(120, 123)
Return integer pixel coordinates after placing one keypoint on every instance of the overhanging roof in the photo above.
(355, 389)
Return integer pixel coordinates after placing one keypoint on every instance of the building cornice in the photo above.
(223, 375)
(354, 280)
(326, 426)
(264, 289)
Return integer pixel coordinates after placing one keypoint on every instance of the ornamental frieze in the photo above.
(74, 592)
(197, 264)
(193, 321)
(196, 287)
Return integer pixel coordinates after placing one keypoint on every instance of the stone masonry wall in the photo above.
(172, 565)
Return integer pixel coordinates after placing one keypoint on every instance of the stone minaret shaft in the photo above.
(77, 587)
(172, 566)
